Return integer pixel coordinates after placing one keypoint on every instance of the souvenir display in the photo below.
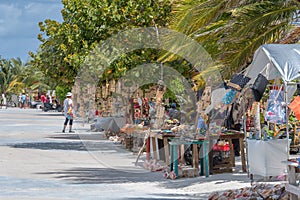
(238, 82)
(275, 111)
(259, 87)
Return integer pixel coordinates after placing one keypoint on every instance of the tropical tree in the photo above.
(232, 30)
(87, 23)
(10, 71)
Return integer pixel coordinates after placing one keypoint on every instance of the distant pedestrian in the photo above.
(20, 100)
(4, 101)
(23, 100)
(68, 112)
(43, 100)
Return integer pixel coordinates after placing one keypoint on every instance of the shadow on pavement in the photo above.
(217, 179)
(104, 175)
(54, 114)
(79, 137)
(169, 196)
(74, 146)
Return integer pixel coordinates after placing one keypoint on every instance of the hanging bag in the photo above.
(238, 82)
(275, 111)
(260, 84)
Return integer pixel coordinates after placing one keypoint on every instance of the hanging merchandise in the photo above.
(205, 100)
(248, 98)
(112, 85)
(206, 94)
(229, 97)
(237, 112)
(295, 106)
(229, 122)
(259, 87)
(275, 111)
(238, 82)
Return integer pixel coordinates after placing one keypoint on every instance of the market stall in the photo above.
(279, 62)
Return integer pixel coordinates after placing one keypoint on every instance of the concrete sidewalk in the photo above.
(37, 161)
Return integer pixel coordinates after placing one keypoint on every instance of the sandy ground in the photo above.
(37, 161)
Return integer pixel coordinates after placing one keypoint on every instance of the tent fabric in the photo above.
(283, 61)
(112, 124)
(267, 158)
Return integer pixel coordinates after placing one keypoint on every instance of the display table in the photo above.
(292, 186)
(162, 136)
(267, 158)
(227, 167)
(176, 142)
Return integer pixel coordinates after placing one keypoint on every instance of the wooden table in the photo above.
(165, 138)
(228, 137)
(203, 153)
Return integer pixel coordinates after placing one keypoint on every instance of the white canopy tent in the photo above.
(283, 61)
(274, 61)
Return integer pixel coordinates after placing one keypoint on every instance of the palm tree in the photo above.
(232, 30)
(9, 76)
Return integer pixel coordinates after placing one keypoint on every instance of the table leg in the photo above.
(242, 146)
(182, 150)
(201, 154)
(154, 149)
(148, 148)
(172, 159)
(195, 156)
(232, 159)
(167, 152)
(175, 153)
(206, 160)
(210, 156)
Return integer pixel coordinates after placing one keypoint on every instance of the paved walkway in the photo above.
(37, 161)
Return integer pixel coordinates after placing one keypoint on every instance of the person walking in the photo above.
(23, 100)
(4, 101)
(68, 112)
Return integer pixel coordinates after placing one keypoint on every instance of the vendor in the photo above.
(173, 112)
(201, 126)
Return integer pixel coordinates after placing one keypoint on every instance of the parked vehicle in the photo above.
(35, 104)
(52, 106)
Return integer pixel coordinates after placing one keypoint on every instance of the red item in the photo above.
(43, 98)
(148, 149)
(96, 112)
(295, 106)
(217, 147)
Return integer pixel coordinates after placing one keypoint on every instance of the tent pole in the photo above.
(287, 117)
(245, 130)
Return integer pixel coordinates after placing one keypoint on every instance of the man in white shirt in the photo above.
(68, 112)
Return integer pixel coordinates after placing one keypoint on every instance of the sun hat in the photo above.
(69, 94)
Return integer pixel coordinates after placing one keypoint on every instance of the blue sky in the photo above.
(19, 25)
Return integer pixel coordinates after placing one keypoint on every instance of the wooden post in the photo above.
(148, 149)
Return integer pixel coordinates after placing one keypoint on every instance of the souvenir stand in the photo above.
(268, 157)
(222, 139)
